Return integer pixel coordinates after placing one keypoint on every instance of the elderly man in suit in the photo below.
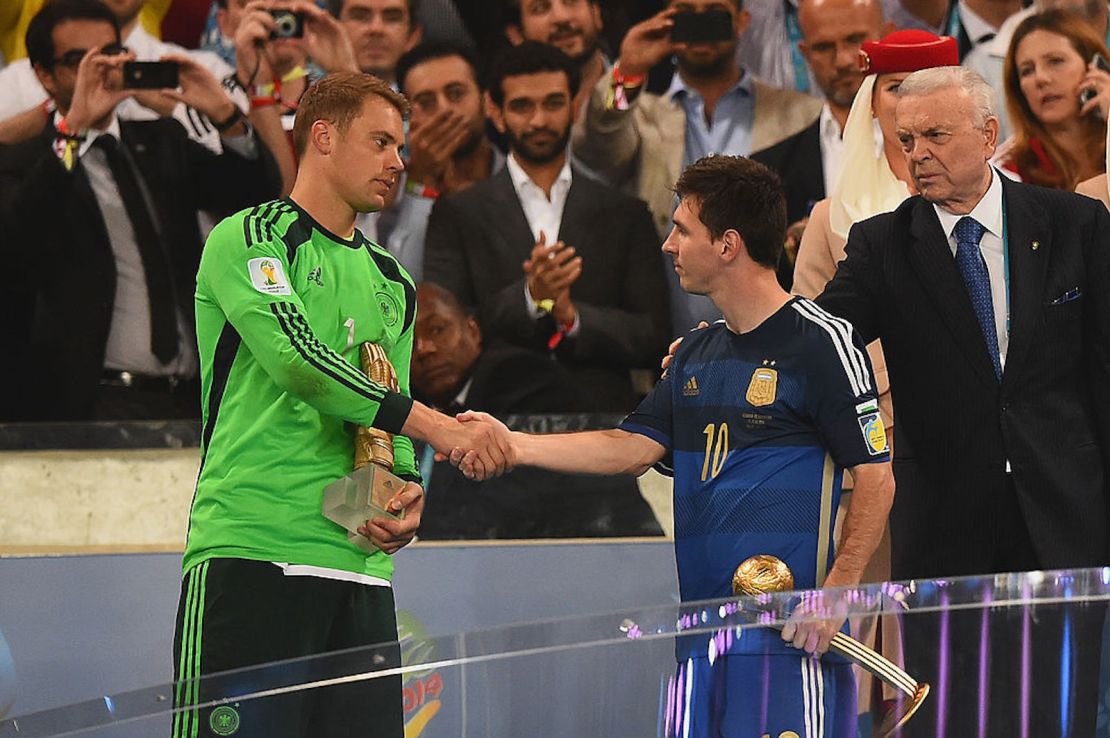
(552, 260)
(990, 300)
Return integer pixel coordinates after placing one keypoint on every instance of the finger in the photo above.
(396, 530)
(788, 630)
(468, 416)
(802, 635)
(702, 324)
(1090, 105)
(409, 494)
(812, 640)
(457, 455)
(562, 256)
(439, 457)
(543, 239)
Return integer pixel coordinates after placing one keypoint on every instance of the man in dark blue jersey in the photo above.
(757, 419)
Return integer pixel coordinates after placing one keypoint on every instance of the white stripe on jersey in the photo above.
(807, 712)
(820, 674)
(845, 329)
(851, 358)
(686, 718)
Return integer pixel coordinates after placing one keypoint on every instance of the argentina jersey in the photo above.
(759, 427)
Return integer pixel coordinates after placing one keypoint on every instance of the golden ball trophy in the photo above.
(765, 574)
(366, 491)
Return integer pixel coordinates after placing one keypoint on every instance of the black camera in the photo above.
(150, 75)
(694, 27)
(287, 24)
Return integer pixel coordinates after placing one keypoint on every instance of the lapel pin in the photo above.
(1036, 245)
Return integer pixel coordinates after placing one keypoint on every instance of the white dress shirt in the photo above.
(832, 147)
(543, 214)
(989, 214)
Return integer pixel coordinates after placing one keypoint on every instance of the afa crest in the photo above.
(763, 387)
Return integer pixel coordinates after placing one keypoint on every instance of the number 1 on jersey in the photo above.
(349, 324)
(716, 446)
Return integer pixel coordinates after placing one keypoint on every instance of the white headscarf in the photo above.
(866, 185)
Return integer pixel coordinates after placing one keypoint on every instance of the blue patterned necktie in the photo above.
(968, 231)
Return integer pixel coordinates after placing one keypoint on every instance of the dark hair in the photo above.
(40, 31)
(511, 11)
(430, 51)
(530, 57)
(338, 99)
(734, 192)
(335, 7)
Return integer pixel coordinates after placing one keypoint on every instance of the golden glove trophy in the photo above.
(365, 492)
(765, 574)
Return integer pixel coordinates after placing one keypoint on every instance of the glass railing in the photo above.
(1011, 655)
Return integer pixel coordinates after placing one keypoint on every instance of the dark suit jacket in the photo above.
(57, 241)
(797, 161)
(957, 425)
(477, 240)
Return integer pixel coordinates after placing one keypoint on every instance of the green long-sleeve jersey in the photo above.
(282, 306)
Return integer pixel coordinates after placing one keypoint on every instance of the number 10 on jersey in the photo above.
(716, 449)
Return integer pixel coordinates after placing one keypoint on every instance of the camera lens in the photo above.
(285, 25)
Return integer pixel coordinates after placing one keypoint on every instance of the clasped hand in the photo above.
(480, 446)
(815, 620)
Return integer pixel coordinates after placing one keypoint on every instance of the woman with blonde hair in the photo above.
(1057, 99)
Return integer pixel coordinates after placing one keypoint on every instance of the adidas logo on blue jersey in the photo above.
(691, 388)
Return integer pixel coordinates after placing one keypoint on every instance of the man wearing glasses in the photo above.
(100, 221)
(25, 104)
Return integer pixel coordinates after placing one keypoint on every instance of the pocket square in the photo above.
(1071, 295)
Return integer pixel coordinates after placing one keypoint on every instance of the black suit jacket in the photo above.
(475, 245)
(797, 160)
(56, 239)
(957, 424)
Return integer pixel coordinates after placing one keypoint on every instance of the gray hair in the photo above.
(926, 81)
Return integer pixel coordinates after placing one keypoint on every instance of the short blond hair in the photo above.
(338, 99)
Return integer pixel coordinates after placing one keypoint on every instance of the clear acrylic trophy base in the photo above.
(361, 495)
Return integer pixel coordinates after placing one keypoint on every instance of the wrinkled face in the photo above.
(381, 31)
(446, 345)
(572, 26)
(947, 152)
(692, 248)
(705, 58)
(1049, 71)
(366, 158)
(72, 39)
(446, 83)
(833, 33)
(884, 101)
(536, 115)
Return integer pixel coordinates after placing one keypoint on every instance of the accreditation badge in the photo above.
(762, 387)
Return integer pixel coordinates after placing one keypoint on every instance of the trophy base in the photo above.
(363, 494)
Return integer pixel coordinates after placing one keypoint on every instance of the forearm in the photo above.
(864, 523)
(23, 126)
(591, 452)
(267, 125)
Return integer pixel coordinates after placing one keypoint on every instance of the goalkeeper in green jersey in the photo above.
(286, 294)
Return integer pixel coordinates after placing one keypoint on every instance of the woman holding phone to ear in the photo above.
(1058, 97)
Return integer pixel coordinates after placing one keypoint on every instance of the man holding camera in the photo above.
(25, 105)
(111, 336)
(710, 106)
(274, 43)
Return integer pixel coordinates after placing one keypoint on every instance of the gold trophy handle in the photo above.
(372, 445)
(764, 574)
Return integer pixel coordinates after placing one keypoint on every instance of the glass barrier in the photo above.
(1007, 655)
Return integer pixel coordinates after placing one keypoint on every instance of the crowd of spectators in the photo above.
(544, 139)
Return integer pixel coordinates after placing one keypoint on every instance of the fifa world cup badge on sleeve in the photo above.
(874, 433)
(366, 492)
